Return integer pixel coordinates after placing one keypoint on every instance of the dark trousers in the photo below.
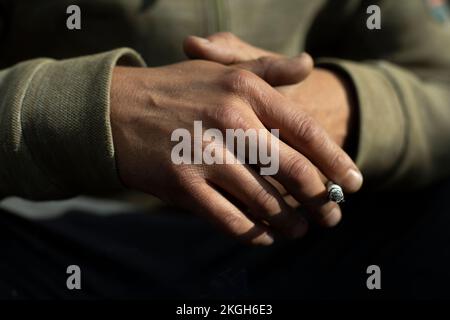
(172, 254)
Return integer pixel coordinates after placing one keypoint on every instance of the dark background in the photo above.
(173, 254)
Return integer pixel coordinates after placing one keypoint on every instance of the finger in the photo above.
(290, 200)
(308, 137)
(281, 190)
(302, 132)
(301, 180)
(294, 171)
(223, 48)
(208, 202)
(262, 199)
(273, 68)
(280, 71)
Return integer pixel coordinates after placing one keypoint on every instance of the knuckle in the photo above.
(233, 223)
(307, 130)
(298, 170)
(186, 188)
(183, 175)
(264, 61)
(266, 201)
(227, 115)
(336, 161)
(189, 182)
(237, 81)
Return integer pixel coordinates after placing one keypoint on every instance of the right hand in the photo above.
(148, 104)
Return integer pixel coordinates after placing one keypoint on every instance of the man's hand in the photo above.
(327, 98)
(323, 94)
(148, 104)
(225, 48)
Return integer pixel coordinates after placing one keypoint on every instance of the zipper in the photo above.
(220, 21)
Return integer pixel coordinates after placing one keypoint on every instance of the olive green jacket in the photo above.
(55, 131)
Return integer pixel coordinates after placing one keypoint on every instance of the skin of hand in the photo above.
(323, 94)
(148, 104)
(332, 110)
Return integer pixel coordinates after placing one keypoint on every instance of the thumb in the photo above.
(223, 47)
(280, 71)
(228, 49)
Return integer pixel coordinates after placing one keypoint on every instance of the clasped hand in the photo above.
(233, 85)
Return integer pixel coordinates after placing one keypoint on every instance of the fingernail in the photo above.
(202, 40)
(353, 180)
(267, 239)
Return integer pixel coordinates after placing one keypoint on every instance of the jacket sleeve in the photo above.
(55, 130)
(401, 76)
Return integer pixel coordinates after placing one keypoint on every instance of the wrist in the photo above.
(327, 97)
(348, 108)
(123, 106)
(349, 104)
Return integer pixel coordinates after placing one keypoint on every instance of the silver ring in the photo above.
(335, 192)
